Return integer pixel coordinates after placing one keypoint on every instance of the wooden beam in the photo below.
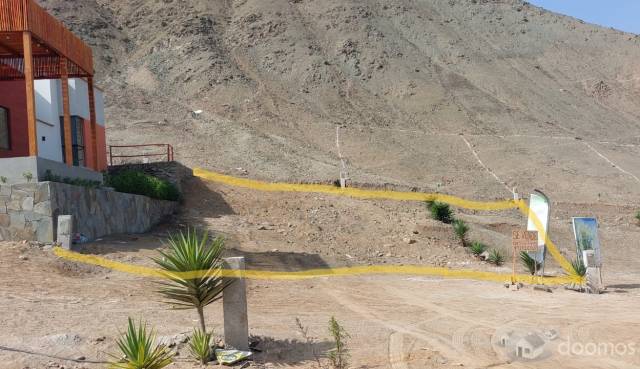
(32, 130)
(94, 129)
(68, 140)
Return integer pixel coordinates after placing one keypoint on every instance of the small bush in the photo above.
(50, 177)
(530, 263)
(478, 248)
(28, 176)
(461, 228)
(496, 257)
(143, 184)
(200, 346)
(139, 350)
(579, 268)
(440, 211)
(638, 216)
(339, 355)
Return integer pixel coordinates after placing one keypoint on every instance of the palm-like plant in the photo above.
(496, 257)
(200, 346)
(530, 263)
(579, 269)
(139, 350)
(478, 248)
(461, 228)
(440, 211)
(194, 253)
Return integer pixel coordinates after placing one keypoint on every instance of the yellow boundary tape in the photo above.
(351, 271)
(311, 273)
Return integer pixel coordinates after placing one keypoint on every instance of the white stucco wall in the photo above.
(48, 117)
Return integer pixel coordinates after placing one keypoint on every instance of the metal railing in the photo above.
(166, 153)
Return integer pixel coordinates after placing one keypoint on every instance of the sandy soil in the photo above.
(54, 311)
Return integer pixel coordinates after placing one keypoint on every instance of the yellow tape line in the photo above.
(314, 273)
(389, 195)
(359, 270)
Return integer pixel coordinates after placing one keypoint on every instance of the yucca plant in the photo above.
(530, 263)
(138, 347)
(496, 257)
(478, 248)
(200, 346)
(578, 268)
(440, 211)
(461, 228)
(192, 252)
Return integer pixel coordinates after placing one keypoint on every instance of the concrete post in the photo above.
(234, 303)
(65, 231)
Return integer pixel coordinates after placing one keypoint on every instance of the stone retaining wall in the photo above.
(29, 211)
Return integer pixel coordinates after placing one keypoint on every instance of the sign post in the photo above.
(522, 241)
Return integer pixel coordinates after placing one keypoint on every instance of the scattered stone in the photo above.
(543, 288)
(174, 340)
(81, 358)
(262, 228)
(23, 257)
(408, 240)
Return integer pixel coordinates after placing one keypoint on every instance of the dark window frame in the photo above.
(8, 115)
(79, 150)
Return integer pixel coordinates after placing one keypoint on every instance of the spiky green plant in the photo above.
(578, 268)
(478, 248)
(192, 252)
(638, 216)
(138, 347)
(530, 263)
(496, 257)
(200, 346)
(339, 355)
(461, 228)
(440, 211)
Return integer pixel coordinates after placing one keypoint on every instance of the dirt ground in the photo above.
(55, 312)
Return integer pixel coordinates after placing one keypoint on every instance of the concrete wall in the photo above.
(13, 168)
(48, 116)
(29, 211)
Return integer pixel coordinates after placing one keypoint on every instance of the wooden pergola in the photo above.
(35, 45)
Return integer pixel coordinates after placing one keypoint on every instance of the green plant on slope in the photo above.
(130, 181)
(478, 248)
(200, 346)
(638, 216)
(139, 350)
(578, 268)
(530, 263)
(440, 211)
(339, 355)
(461, 228)
(496, 257)
(191, 252)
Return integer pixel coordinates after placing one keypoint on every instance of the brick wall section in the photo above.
(29, 211)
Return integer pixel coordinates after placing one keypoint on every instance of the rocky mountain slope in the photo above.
(468, 97)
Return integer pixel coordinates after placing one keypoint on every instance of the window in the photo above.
(5, 140)
(77, 140)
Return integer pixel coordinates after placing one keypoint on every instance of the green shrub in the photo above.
(200, 346)
(478, 248)
(496, 257)
(50, 177)
(440, 211)
(530, 263)
(461, 228)
(139, 350)
(578, 267)
(638, 215)
(143, 184)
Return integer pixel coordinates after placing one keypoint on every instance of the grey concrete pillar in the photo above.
(234, 303)
(65, 231)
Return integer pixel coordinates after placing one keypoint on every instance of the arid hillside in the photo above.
(468, 97)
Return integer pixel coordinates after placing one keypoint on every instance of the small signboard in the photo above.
(524, 240)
